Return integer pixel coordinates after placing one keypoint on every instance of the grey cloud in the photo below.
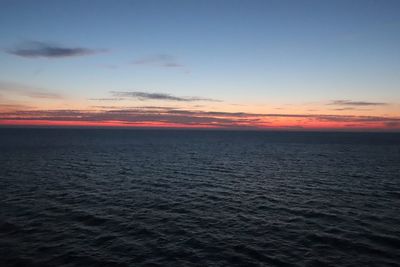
(40, 49)
(125, 116)
(351, 118)
(356, 103)
(161, 60)
(351, 108)
(159, 96)
(392, 124)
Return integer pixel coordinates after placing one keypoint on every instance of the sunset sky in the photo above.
(201, 64)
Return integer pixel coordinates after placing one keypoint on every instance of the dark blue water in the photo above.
(76, 197)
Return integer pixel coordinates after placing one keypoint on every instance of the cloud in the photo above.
(345, 108)
(133, 108)
(43, 95)
(28, 91)
(351, 108)
(107, 99)
(13, 106)
(159, 96)
(126, 116)
(160, 60)
(171, 116)
(40, 49)
(392, 124)
(356, 103)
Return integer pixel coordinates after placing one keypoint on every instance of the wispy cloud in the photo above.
(107, 107)
(160, 60)
(345, 108)
(128, 116)
(351, 108)
(43, 95)
(107, 99)
(356, 103)
(28, 91)
(47, 50)
(159, 96)
(13, 106)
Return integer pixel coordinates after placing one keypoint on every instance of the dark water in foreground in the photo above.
(205, 198)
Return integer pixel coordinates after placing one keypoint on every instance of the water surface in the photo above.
(102, 197)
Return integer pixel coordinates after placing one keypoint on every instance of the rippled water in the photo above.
(75, 197)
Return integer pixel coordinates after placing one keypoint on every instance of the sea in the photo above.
(140, 197)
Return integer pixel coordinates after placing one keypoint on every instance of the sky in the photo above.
(284, 64)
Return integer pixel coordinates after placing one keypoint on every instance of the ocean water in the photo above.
(109, 197)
